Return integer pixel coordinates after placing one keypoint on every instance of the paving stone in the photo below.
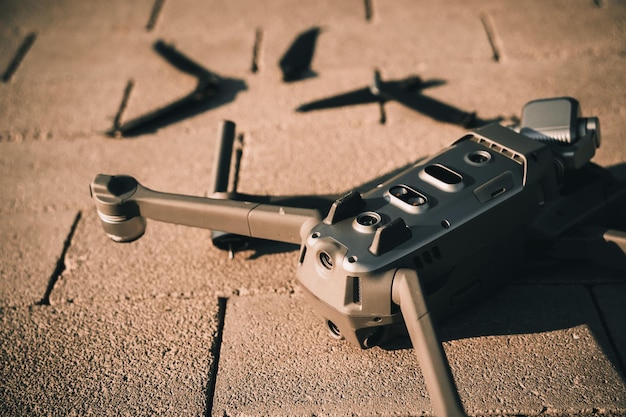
(55, 174)
(524, 35)
(276, 359)
(141, 358)
(32, 245)
(68, 15)
(404, 33)
(190, 16)
(533, 349)
(168, 260)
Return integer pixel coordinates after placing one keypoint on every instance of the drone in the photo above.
(430, 240)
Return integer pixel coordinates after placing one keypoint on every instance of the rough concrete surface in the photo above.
(168, 325)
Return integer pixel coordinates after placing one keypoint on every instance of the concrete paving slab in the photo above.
(190, 16)
(54, 174)
(404, 33)
(169, 260)
(140, 358)
(32, 246)
(36, 111)
(276, 359)
(68, 15)
(523, 32)
(65, 94)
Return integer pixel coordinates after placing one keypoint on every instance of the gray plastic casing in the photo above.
(465, 239)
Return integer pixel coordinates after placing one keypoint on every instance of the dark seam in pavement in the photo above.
(215, 351)
(383, 114)
(154, 15)
(256, 50)
(117, 122)
(607, 330)
(237, 162)
(492, 37)
(369, 9)
(60, 266)
(24, 48)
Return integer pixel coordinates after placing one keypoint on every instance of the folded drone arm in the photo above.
(408, 294)
(122, 203)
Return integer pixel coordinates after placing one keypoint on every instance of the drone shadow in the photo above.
(408, 92)
(181, 109)
(211, 91)
(295, 64)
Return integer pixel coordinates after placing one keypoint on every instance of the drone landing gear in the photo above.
(407, 293)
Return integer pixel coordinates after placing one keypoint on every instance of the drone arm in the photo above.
(122, 203)
(408, 294)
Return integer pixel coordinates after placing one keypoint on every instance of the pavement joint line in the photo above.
(215, 350)
(37, 134)
(237, 161)
(256, 50)
(369, 10)
(154, 15)
(117, 122)
(383, 114)
(607, 330)
(492, 36)
(60, 265)
(19, 56)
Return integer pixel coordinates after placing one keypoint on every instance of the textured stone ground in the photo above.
(168, 325)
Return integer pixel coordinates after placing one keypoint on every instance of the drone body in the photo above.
(458, 219)
(433, 239)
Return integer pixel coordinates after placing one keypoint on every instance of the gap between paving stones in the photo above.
(60, 265)
(20, 55)
(215, 351)
(607, 329)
